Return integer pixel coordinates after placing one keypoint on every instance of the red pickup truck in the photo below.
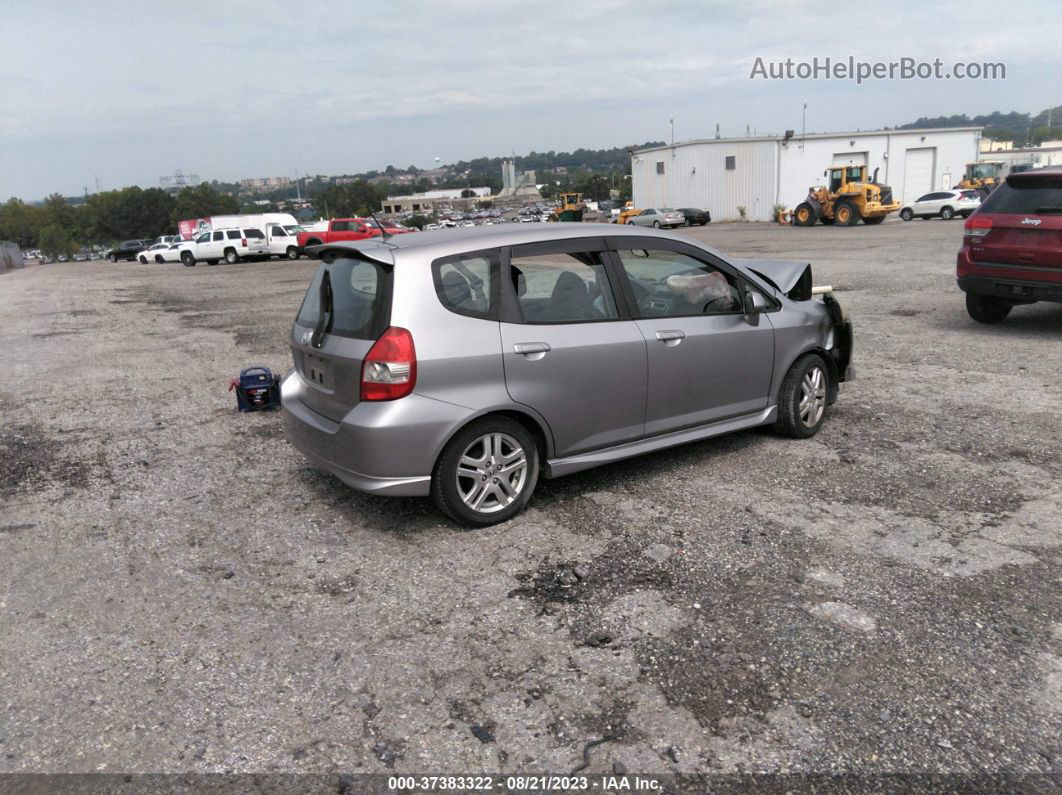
(338, 229)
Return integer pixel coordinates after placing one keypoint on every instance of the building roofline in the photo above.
(781, 138)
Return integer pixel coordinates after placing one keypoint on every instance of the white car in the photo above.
(161, 252)
(230, 245)
(945, 204)
(658, 218)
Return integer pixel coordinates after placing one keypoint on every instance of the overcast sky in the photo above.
(129, 91)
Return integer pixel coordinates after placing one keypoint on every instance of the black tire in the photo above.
(906, 214)
(445, 480)
(797, 384)
(292, 252)
(630, 223)
(158, 259)
(188, 258)
(845, 214)
(987, 309)
(656, 224)
(873, 220)
(232, 257)
(112, 258)
(804, 215)
(947, 213)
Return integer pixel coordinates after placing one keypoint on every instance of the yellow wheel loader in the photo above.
(982, 177)
(848, 197)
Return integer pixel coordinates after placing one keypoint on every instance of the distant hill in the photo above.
(1022, 128)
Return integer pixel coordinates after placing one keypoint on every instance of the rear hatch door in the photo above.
(1026, 232)
(346, 308)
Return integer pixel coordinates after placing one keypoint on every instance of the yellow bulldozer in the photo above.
(982, 177)
(848, 197)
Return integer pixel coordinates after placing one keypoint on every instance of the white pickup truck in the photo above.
(230, 245)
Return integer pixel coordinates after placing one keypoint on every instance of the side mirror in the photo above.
(755, 305)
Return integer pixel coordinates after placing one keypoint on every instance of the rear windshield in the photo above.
(1031, 198)
(360, 299)
(257, 233)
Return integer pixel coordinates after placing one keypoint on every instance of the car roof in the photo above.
(1035, 175)
(445, 242)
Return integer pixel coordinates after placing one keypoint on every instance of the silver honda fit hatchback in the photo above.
(463, 364)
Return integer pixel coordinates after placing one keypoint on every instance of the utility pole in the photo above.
(804, 127)
(672, 133)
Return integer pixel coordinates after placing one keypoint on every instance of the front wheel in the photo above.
(845, 214)
(906, 214)
(803, 397)
(292, 252)
(112, 258)
(987, 308)
(656, 224)
(486, 473)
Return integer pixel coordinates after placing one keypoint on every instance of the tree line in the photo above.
(61, 227)
(1024, 129)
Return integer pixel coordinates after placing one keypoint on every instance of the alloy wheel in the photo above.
(491, 472)
(812, 396)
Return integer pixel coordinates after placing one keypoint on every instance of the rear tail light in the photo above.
(978, 227)
(243, 242)
(390, 368)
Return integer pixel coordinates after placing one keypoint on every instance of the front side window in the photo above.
(673, 284)
(203, 238)
(563, 288)
(465, 284)
(341, 226)
(276, 231)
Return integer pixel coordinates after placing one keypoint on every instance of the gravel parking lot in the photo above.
(181, 592)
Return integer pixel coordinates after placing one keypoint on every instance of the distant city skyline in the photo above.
(127, 93)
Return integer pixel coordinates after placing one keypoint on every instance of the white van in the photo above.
(280, 230)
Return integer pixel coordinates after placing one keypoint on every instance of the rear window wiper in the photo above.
(324, 316)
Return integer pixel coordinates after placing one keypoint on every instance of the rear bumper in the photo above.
(1014, 289)
(387, 447)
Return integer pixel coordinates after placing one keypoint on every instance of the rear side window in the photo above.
(1039, 197)
(563, 288)
(355, 303)
(234, 234)
(467, 284)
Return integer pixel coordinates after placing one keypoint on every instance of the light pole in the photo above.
(804, 127)
(672, 133)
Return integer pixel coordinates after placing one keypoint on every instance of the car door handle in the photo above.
(532, 350)
(672, 337)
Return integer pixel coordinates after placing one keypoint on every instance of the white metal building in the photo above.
(723, 174)
(1049, 154)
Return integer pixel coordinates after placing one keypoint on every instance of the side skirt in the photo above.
(558, 467)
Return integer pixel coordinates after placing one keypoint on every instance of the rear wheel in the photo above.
(987, 308)
(873, 220)
(486, 473)
(803, 398)
(845, 214)
(906, 214)
(231, 256)
(804, 215)
(188, 259)
(292, 252)
(947, 213)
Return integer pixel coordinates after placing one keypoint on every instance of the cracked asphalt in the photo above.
(181, 592)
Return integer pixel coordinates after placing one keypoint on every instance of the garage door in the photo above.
(849, 159)
(918, 173)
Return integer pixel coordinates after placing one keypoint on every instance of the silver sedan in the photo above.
(657, 218)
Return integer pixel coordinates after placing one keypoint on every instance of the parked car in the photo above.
(465, 364)
(232, 245)
(338, 229)
(696, 217)
(944, 204)
(127, 250)
(1012, 246)
(161, 252)
(658, 218)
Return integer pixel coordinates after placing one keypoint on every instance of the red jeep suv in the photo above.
(1012, 247)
